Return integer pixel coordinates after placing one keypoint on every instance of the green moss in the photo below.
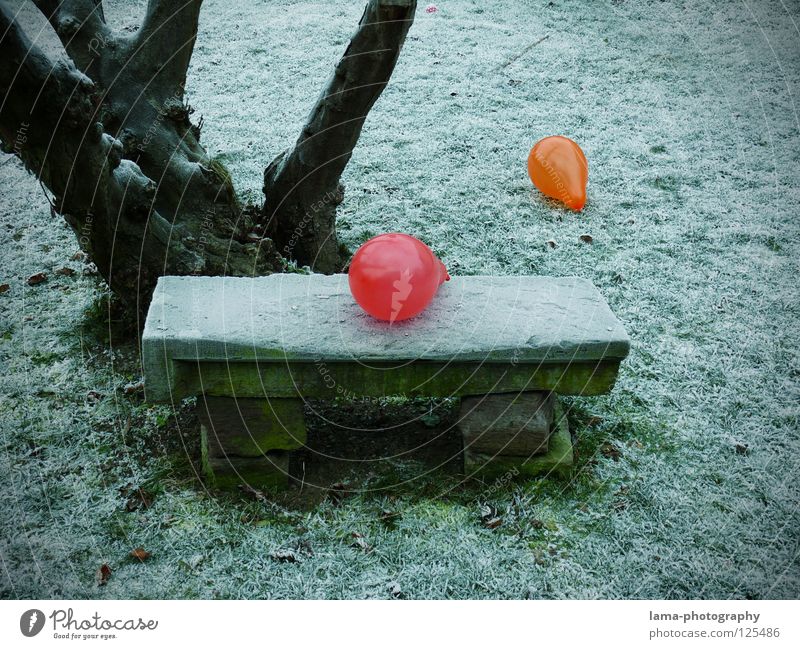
(249, 379)
(224, 177)
(270, 471)
(557, 461)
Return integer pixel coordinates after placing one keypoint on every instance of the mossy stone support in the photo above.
(248, 440)
(270, 471)
(556, 462)
(512, 424)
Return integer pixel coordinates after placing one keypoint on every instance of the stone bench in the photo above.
(253, 349)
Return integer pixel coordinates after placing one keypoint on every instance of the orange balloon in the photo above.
(559, 169)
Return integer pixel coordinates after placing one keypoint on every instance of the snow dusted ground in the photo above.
(688, 473)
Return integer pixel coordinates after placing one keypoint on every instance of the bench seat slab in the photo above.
(554, 333)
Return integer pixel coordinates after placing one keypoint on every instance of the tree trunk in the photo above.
(109, 135)
(301, 186)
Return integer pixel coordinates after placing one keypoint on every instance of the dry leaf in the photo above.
(255, 494)
(551, 243)
(742, 449)
(389, 518)
(140, 553)
(133, 388)
(284, 555)
(38, 278)
(4, 287)
(102, 575)
(360, 543)
(67, 272)
(78, 256)
(493, 523)
(610, 451)
(487, 512)
(338, 492)
(594, 421)
(195, 561)
(586, 238)
(137, 499)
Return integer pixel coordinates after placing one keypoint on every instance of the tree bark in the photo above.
(126, 167)
(109, 135)
(301, 186)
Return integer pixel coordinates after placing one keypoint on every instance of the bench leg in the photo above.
(249, 441)
(515, 434)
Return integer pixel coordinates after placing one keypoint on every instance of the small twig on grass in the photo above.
(521, 54)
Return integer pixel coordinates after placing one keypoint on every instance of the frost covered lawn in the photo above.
(687, 482)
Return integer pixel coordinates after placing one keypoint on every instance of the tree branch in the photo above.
(165, 41)
(81, 27)
(302, 185)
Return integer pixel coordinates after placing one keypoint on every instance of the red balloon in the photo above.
(395, 276)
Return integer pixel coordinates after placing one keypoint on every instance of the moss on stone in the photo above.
(429, 379)
(270, 471)
(557, 461)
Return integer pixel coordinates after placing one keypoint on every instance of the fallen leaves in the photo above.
(551, 243)
(360, 543)
(193, 562)
(301, 548)
(586, 238)
(66, 271)
(489, 517)
(611, 451)
(389, 518)
(102, 575)
(38, 278)
(255, 494)
(284, 555)
(141, 554)
(337, 492)
(5, 287)
(742, 449)
(133, 388)
(137, 498)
